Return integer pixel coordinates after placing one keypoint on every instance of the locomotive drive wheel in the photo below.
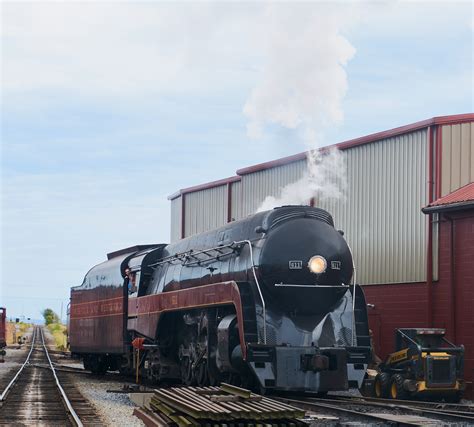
(202, 377)
(187, 374)
(382, 385)
(153, 371)
(197, 368)
(200, 366)
(396, 387)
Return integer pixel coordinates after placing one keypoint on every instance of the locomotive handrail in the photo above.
(248, 242)
(211, 258)
(311, 285)
(184, 256)
(354, 276)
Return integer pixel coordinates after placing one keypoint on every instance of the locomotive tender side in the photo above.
(97, 313)
(264, 301)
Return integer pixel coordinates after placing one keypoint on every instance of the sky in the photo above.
(109, 107)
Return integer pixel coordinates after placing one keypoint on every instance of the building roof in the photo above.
(463, 198)
(205, 186)
(440, 120)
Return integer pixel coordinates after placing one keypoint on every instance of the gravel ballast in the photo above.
(114, 408)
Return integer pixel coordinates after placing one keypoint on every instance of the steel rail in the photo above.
(450, 414)
(441, 406)
(71, 410)
(13, 381)
(311, 405)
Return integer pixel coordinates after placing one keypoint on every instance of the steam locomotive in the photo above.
(265, 302)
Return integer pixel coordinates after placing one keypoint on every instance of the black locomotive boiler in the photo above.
(267, 301)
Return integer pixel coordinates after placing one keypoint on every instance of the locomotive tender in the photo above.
(266, 302)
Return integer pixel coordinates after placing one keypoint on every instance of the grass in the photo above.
(24, 327)
(58, 331)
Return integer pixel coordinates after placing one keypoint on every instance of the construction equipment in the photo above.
(424, 365)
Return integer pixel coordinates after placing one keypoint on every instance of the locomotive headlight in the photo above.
(317, 264)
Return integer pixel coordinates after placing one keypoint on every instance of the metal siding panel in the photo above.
(446, 160)
(381, 214)
(205, 210)
(175, 219)
(433, 164)
(465, 168)
(257, 186)
(236, 200)
(455, 157)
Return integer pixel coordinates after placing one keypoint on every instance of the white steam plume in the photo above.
(303, 80)
(324, 179)
(302, 87)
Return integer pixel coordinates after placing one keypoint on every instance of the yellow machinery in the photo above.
(425, 365)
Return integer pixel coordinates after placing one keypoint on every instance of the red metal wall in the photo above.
(405, 305)
(454, 293)
(396, 306)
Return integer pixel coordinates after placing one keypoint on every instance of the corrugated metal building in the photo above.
(391, 176)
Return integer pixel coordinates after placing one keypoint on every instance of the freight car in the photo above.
(3, 331)
(268, 301)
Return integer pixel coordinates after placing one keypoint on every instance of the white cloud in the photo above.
(120, 48)
(273, 53)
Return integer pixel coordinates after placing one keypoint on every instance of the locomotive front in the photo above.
(305, 263)
(312, 321)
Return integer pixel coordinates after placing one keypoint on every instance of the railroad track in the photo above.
(39, 396)
(388, 412)
(444, 407)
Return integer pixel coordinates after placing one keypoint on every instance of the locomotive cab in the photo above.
(139, 267)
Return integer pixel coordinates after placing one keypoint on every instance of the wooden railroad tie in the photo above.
(224, 406)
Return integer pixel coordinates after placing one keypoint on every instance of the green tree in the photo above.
(50, 316)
